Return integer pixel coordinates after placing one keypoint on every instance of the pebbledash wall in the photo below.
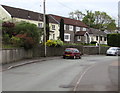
(13, 55)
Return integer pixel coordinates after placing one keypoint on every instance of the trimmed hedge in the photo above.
(113, 40)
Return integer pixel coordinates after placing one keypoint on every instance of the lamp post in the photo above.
(44, 28)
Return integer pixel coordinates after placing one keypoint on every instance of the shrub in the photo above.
(54, 43)
(113, 40)
(16, 41)
(93, 42)
(6, 39)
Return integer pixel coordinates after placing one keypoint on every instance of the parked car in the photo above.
(72, 53)
(113, 51)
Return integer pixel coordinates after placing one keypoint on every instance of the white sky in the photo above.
(63, 7)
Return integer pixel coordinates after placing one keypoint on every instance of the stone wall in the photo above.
(12, 55)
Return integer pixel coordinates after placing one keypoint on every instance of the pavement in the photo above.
(25, 62)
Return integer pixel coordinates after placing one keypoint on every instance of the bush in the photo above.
(54, 43)
(113, 40)
(6, 39)
(93, 42)
(16, 41)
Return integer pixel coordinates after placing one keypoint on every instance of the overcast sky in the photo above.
(63, 7)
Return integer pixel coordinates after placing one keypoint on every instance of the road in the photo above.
(87, 74)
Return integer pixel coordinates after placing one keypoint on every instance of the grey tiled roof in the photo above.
(96, 32)
(24, 14)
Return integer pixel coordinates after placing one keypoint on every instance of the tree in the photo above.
(78, 15)
(71, 15)
(29, 33)
(97, 19)
(111, 26)
(89, 19)
(62, 29)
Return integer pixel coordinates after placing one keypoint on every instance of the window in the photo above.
(77, 28)
(40, 25)
(53, 27)
(53, 36)
(70, 28)
(64, 27)
(97, 38)
(84, 29)
(67, 37)
(105, 38)
(100, 38)
(78, 38)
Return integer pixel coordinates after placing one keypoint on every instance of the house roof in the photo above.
(68, 21)
(24, 14)
(80, 33)
(96, 32)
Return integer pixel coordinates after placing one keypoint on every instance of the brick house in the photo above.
(71, 27)
(75, 30)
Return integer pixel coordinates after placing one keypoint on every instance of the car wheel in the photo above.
(74, 57)
(64, 57)
(79, 57)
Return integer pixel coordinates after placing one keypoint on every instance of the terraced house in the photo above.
(16, 15)
(75, 30)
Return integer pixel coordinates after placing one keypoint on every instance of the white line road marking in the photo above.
(79, 80)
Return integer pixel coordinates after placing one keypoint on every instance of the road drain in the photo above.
(66, 86)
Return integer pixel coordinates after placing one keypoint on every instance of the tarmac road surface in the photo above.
(87, 74)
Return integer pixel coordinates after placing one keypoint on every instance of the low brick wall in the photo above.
(12, 55)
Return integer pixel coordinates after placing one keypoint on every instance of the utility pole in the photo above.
(44, 28)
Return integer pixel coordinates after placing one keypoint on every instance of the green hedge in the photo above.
(113, 40)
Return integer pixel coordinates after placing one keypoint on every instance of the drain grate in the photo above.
(66, 86)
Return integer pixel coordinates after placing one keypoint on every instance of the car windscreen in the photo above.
(68, 50)
(113, 48)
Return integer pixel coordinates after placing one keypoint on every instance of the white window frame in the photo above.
(40, 25)
(84, 29)
(77, 29)
(66, 34)
(78, 38)
(53, 27)
(65, 27)
(70, 27)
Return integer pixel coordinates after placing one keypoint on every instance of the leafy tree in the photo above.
(111, 26)
(89, 19)
(8, 28)
(78, 15)
(62, 29)
(29, 33)
(71, 15)
(97, 19)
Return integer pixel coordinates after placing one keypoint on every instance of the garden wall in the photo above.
(13, 55)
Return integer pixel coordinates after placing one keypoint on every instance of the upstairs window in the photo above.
(70, 28)
(53, 27)
(77, 28)
(65, 27)
(84, 29)
(40, 25)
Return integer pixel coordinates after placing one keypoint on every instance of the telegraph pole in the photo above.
(44, 28)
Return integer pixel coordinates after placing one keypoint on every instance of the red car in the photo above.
(72, 53)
